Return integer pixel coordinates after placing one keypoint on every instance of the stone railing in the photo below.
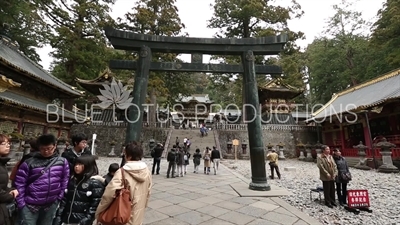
(164, 155)
(216, 140)
(272, 127)
(125, 124)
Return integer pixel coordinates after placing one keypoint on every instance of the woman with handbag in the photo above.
(7, 195)
(343, 178)
(126, 196)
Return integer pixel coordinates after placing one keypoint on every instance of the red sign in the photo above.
(358, 198)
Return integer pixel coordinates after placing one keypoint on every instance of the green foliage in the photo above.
(159, 17)
(339, 62)
(24, 25)
(79, 43)
(386, 38)
(255, 18)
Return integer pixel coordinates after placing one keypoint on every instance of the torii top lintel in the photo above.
(125, 40)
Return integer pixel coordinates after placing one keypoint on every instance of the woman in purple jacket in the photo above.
(41, 182)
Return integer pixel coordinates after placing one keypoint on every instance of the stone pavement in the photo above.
(209, 199)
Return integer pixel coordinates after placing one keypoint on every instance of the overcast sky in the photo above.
(195, 13)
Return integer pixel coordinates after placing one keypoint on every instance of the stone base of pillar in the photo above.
(281, 156)
(259, 186)
(309, 159)
(302, 157)
(112, 153)
(362, 167)
(387, 168)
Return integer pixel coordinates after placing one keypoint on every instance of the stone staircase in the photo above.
(194, 137)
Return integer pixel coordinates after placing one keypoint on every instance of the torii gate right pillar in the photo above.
(252, 114)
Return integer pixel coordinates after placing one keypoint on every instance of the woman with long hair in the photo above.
(7, 195)
(83, 194)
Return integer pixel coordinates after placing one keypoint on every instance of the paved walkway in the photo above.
(209, 199)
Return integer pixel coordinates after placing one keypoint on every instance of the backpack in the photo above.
(119, 211)
(14, 171)
(185, 157)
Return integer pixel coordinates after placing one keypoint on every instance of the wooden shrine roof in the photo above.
(369, 94)
(11, 56)
(277, 88)
(94, 86)
(13, 99)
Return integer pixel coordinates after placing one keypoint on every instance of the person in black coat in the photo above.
(7, 195)
(83, 194)
(196, 160)
(156, 153)
(171, 158)
(341, 180)
(77, 149)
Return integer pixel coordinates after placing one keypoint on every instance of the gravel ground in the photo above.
(384, 192)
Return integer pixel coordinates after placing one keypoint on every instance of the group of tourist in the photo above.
(49, 188)
(333, 169)
(179, 157)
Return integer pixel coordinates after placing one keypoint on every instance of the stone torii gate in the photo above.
(247, 48)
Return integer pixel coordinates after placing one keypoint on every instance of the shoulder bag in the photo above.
(120, 209)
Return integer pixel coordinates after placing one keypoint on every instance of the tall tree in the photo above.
(22, 21)
(339, 60)
(386, 38)
(159, 17)
(252, 18)
(78, 39)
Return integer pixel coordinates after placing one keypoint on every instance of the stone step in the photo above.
(194, 137)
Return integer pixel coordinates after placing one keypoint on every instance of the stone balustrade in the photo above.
(271, 127)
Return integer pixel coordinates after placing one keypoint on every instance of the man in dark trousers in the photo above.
(156, 153)
(215, 158)
(171, 158)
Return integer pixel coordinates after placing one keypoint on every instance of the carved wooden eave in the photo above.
(6, 83)
(94, 86)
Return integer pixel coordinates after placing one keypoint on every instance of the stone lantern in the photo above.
(281, 156)
(386, 153)
(61, 144)
(15, 141)
(362, 164)
(269, 147)
(15, 144)
(27, 147)
(309, 157)
(112, 152)
(301, 147)
(318, 149)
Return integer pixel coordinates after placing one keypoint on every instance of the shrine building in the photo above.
(366, 112)
(277, 106)
(32, 101)
(195, 108)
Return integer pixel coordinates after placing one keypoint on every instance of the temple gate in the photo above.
(247, 48)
